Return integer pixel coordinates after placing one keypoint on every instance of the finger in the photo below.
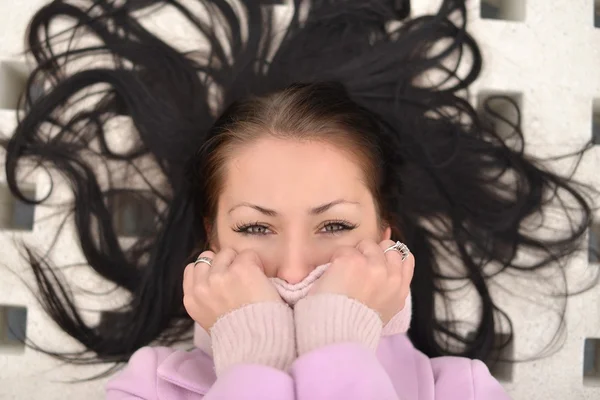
(372, 252)
(249, 258)
(222, 260)
(393, 257)
(201, 269)
(408, 270)
(188, 278)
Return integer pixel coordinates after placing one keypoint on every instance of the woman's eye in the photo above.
(252, 230)
(258, 229)
(335, 227)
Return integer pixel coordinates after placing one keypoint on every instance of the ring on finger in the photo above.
(205, 260)
(401, 248)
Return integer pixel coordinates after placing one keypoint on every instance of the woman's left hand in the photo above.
(379, 280)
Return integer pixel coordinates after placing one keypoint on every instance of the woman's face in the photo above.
(294, 203)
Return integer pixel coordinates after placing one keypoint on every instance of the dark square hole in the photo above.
(13, 80)
(13, 328)
(133, 213)
(591, 362)
(499, 368)
(499, 111)
(15, 214)
(508, 10)
(597, 13)
(596, 121)
(111, 322)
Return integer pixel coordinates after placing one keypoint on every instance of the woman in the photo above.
(276, 225)
(294, 186)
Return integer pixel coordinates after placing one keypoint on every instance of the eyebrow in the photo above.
(313, 211)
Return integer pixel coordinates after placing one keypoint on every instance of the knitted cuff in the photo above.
(260, 333)
(326, 319)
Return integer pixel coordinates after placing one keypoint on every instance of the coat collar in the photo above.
(193, 370)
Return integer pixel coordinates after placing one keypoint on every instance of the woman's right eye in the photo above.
(252, 229)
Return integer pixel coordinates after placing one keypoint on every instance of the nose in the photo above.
(295, 261)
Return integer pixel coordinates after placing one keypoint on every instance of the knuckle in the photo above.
(243, 262)
(217, 280)
(236, 264)
(229, 251)
(248, 257)
(378, 273)
(395, 280)
(365, 242)
(204, 290)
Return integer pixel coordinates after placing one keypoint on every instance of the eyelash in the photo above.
(343, 224)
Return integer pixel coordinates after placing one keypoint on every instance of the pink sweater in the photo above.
(325, 347)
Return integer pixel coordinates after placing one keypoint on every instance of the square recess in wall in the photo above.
(596, 121)
(594, 243)
(501, 370)
(508, 10)
(597, 13)
(499, 110)
(13, 328)
(109, 321)
(133, 213)
(15, 214)
(13, 80)
(591, 362)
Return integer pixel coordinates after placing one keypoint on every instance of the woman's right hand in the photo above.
(232, 282)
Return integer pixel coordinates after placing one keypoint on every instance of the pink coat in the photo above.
(345, 371)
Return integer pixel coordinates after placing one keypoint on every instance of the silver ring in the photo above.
(401, 248)
(204, 260)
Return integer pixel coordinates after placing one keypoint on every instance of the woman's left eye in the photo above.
(336, 227)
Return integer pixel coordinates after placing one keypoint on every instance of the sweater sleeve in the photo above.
(260, 333)
(336, 340)
(253, 348)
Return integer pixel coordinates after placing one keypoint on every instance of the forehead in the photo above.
(275, 170)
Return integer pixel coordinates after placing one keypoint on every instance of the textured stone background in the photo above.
(544, 53)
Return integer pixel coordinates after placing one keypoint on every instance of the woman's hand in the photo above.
(233, 281)
(364, 273)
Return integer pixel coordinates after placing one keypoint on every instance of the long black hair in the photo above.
(464, 194)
